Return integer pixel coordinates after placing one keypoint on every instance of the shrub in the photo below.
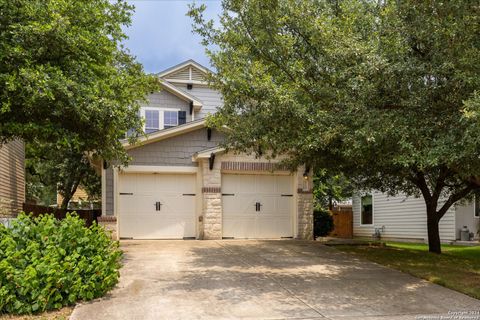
(47, 263)
(322, 223)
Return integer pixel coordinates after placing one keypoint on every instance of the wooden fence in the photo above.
(343, 223)
(88, 215)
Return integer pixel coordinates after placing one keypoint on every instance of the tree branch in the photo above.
(420, 181)
(454, 198)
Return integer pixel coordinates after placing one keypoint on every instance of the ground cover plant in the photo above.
(47, 263)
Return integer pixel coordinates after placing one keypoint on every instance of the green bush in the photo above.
(47, 263)
(322, 223)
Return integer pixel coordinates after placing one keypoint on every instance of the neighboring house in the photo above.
(80, 200)
(405, 218)
(181, 184)
(12, 177)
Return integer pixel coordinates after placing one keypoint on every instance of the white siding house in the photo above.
(404, 218)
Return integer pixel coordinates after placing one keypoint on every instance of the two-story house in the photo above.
(181, 183)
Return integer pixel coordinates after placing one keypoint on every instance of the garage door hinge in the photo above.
(287, 195)
(188, 194)
(126, 193)
(228, 194)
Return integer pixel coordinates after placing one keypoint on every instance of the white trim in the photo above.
(104, 191)
(165, 134)
(199, 227)
(159, 169)
(181, 66)
(170, 110)
(181, 94)
(197, 82)
(475, 207)
(373, 211)
(115, 189)
(295, 210)
(206, 154)
(160, 117)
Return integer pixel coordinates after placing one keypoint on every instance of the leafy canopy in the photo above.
(51, 169)
(384, 91)
(65, 76)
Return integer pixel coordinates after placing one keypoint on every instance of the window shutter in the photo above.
(182, 117)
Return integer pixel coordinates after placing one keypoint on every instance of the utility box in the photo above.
(465, 234)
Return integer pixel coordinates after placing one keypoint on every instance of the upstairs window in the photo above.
(152, 121)
(366, 217)
(170, 119)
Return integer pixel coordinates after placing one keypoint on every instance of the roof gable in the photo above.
(185, 72)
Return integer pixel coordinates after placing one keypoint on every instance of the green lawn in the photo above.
(457, 267)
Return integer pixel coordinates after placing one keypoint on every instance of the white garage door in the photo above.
(257, 206)
(156, 206)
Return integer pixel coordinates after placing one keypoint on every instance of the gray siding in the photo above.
(109, 191)
(166, 100)
(464, 216)
(210, 98)
(175, 151)
(12, 176)
(403, 218)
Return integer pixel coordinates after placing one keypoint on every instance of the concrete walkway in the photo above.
(263, 280)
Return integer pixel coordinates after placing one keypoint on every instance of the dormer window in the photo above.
(158, 119)
(152, 120)
(170, 119)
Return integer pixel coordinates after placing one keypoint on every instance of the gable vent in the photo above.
(182, 74)
(197, 75)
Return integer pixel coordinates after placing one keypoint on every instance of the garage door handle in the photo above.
(158, 206)
(257, 206)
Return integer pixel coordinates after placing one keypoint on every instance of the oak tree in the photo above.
(386, 92)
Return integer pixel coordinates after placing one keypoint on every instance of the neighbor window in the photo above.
(476, 205)
(366, 216)
(152, 121)
(170, 119)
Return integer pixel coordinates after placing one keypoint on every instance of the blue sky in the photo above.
(161, 35)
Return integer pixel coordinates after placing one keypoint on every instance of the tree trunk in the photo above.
(68, 195)
(66, 199)
(433, 231)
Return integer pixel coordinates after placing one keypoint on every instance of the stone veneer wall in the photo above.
(212, 201)
(212, 196)
(110, 224)
(304, 204)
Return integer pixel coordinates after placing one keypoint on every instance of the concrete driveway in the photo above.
(263, 280)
